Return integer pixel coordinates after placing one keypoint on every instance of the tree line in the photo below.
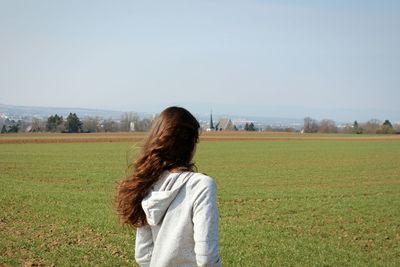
(129, 121)
(372, 126)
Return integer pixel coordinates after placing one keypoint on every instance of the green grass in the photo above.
(282, 203)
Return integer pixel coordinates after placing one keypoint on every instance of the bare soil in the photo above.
(26, 138)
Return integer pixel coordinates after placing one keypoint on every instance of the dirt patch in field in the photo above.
(66, 140)
(298, 138)
(40, 138)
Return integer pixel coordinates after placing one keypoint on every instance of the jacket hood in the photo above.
(157, 202)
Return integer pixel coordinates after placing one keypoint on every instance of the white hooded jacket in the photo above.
(183, 222)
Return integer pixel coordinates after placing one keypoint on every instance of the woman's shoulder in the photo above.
(200, 180)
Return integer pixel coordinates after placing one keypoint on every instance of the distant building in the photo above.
(211, 122)
(211, 128)
(225, 125)
(132, 126)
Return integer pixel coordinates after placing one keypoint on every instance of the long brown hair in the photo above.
(169, 145)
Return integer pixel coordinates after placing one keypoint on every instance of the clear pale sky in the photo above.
(266, 58)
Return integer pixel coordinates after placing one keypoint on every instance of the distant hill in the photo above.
(17, 112)
(257, 120)
(21, 111)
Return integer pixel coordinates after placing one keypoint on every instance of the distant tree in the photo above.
(14, 128)
(252, 128)
(26, 124)
(127, 119)
(54, 122)
(386, 128)
(396, 128)
(3, 129)
(91, 124)
(143, 125)
(109, 125)
(310, 125)
(356, 128)
(327, 126)
(387, 123)
(73, 123)
(38, 125)
(372, 126)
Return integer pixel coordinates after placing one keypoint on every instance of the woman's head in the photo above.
(172, 138)
(170, 145)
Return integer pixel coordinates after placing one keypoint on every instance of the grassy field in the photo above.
(284, 200)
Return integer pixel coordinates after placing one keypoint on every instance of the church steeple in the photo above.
(211, 121)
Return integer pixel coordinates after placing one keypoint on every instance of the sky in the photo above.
(324, 59)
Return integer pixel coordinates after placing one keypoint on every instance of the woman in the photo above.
(173, 208)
